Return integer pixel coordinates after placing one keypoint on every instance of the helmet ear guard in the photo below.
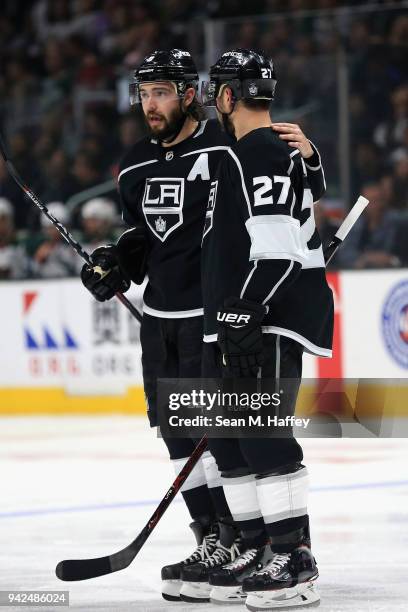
(255, 89)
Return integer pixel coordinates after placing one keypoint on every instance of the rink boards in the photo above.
(63, 352)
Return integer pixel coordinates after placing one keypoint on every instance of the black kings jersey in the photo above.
(260, 242)
(167, 189)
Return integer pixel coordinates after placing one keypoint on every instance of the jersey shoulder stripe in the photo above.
(134, 166)
(206, 150)
(142, 150)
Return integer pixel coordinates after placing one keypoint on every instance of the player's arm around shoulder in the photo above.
(292, 134)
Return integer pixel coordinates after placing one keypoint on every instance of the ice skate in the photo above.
(195, 587)
(286, 582)
(227, 580)
(206, 538)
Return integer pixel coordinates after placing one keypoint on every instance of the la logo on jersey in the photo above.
(163, 201)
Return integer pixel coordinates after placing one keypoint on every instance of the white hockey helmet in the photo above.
(99, 208)
(59, 211)
(6, 208)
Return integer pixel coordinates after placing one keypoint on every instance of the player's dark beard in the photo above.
(172, 126)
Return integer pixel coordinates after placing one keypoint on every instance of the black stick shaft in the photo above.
(62, 230)
(331, 249)
(83, 569)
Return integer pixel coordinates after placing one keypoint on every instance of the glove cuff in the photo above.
(234, 302)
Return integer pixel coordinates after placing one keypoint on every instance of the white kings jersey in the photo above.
(167, 188)
(260, 241)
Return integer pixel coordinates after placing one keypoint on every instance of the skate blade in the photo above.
(227, 595)
(195, 592)
(300, 596)
(171, 590)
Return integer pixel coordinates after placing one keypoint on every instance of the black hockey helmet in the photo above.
(175, 65)
(249, 74)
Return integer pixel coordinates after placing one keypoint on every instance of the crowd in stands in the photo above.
(66, 121)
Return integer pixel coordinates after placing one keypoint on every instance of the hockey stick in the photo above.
(83, 569)
(344, 228)
(62, 230)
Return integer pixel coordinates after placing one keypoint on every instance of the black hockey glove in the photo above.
(105, 277)
(132, 250)
(240, 337)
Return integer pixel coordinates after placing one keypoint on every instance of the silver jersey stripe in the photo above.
(319, 167)
(201, 129)
(151, 161)
(278, 359)
(290, 166)
(220, 148)
(244, 189)
(309, 346)
(248, 279)
(278, 284)
(176, 314)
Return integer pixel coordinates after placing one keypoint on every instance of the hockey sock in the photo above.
(214, 484)
(195, 491)
(241, 494)
(282, 496)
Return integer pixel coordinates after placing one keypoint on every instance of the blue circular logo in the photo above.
(395, 323)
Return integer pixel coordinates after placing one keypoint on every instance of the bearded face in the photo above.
(165, 125)
(162, 109)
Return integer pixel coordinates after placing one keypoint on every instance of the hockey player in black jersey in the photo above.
(266, 300)
(164, 183)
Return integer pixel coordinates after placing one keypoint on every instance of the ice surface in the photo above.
(81, 487)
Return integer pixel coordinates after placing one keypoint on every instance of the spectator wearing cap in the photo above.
(53, 257)
(98, 218)
(370, 243)
(13, 261)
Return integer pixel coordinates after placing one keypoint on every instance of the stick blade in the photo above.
(71, 570)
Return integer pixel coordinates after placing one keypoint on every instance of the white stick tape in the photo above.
(352, 217)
